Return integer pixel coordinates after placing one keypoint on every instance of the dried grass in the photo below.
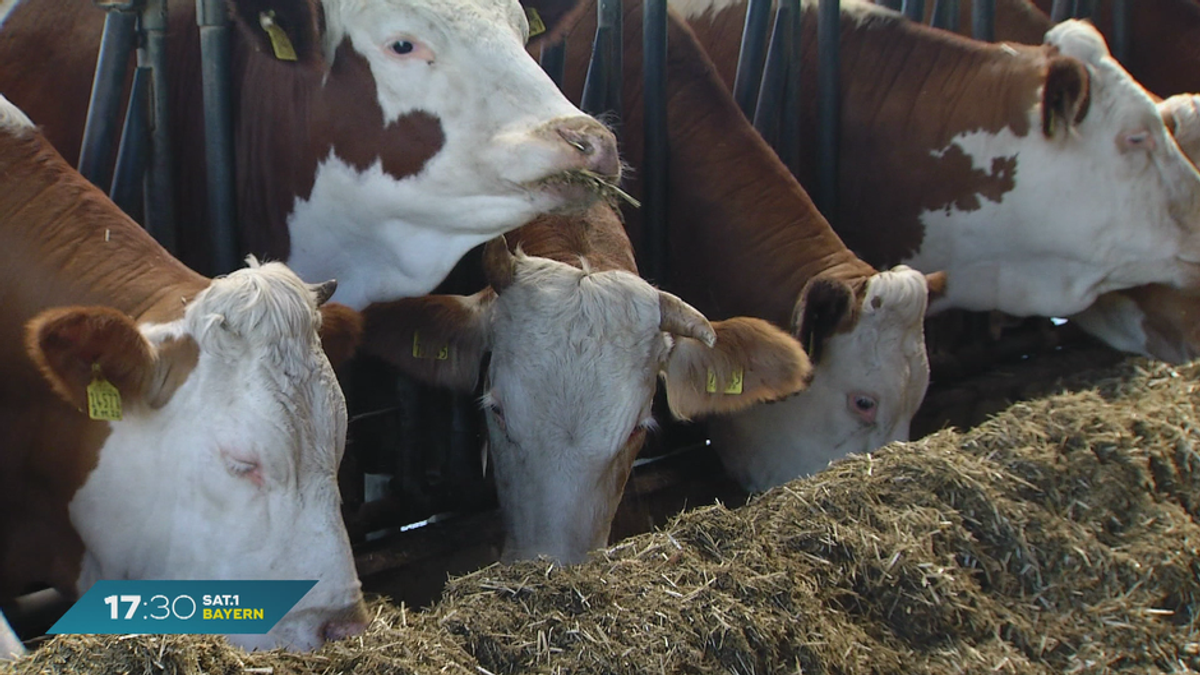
(1059, 537)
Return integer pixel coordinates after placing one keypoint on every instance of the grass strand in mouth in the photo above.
(598, 183)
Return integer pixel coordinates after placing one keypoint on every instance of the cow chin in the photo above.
(574, 192)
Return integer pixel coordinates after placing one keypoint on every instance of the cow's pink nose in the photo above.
(595, 142)
(340, 629)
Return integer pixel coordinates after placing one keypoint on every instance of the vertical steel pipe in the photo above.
(213, 20)
(829, 27)
(1061, 10)
(751, 54)
(774, 79)
(1084, 9)
(983, 20)
(655, 238)
(945, 15)
(553, 59)
(595, 85)
(602, 87)
(104, 107)
(159, 180)
(131, 154)
(914, 10)
(1120, 32)
(789, 125)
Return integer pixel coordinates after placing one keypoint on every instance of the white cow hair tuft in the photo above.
(1186, 110)
(12, 118)
(901, 293)
(1079, 39)
(264, 305)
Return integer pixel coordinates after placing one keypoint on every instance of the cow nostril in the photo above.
(577, 140)
(340, 630)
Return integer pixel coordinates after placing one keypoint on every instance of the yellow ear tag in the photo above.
(536, 25)
(420, 353)
(734, 386)
(104, 401)
(280, 43)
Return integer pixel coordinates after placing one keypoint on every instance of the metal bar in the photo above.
(983, 20)
(1120, 33)
(789, 126)
(774, 83)
(595, 87)
(655, 238)
(554, 59)
(915, 9)
(160, 178)
(1061, 10)
(213, 20)
(945, 15)
(828, 93)
(104, 107)
(131, 155)
(1084, 9)
(614, 15)
(751, 54)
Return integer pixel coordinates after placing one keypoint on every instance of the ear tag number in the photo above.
(419, 352)
(104, 400)
(536, 25)
(734, 387)
(280, 43)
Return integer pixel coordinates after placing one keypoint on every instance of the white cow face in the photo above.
(224, 464)
(1103, 198)
(575, 359)
(444, 133)
(870, 375)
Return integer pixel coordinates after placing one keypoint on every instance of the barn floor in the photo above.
(1057, 537)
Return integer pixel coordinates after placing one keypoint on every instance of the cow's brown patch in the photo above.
(341, 332)
(1066, 96)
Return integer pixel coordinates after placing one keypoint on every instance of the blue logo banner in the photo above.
(203, 607)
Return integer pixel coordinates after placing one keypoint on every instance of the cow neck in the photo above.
(64, 244)
(289, 119)
(745, 236)
(907, 92)
(596, 235)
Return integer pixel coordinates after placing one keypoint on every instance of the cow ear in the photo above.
(826, 306)
(287, 29)
(74, 346)
(341, 332)
(1066, 96)
(437, 339)
(549, 19)
(1181, 114)
(751, 362)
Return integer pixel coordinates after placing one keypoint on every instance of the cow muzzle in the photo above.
(594, 146)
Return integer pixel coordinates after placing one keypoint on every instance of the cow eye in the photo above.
(401, 47)
(864, 403)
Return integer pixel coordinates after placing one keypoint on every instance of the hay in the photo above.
(1058, 537)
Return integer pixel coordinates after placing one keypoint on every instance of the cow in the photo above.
(1153, 320)
(576, 342)
(375, 143)
(746, 240)
(214, 423)
(1037, 177)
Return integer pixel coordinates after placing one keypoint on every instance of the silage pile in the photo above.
(1059, 537)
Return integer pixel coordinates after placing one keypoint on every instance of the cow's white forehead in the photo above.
(467, 16)
(12, 118)
(898, 296)
(265, 307)
(567, 296)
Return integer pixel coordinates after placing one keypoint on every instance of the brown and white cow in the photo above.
(223, 463)
(405, 133)
(577, 341)
(1038, 177)
(1164, 55)
(746, 240)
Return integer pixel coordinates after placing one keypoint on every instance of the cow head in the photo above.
(1155, 320)
(430, 131)
(1102, 197)
(575, 356)
(870, 373)
(224, 462)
